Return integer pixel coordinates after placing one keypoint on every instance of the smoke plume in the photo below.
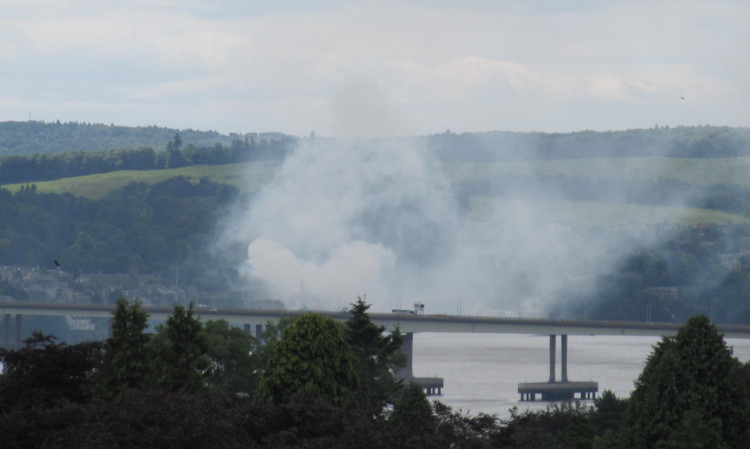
(379, 217)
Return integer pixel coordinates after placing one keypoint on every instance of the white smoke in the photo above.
(377, 217)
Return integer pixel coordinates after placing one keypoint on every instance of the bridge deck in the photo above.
(407, 323)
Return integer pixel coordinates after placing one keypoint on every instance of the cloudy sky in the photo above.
(377, 67)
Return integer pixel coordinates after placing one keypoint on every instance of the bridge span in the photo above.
(408, 323)
(253, 321)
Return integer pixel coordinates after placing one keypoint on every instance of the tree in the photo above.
(180, 348)
(609, 413)
(313, 357)
(43, 372)
(126, 362)
(269, 338)
(377, 358)
(412, 421)
(231, 364)
(564, 426)
(691, 383)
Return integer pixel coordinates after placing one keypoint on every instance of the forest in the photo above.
(314, 382)
(38, 137)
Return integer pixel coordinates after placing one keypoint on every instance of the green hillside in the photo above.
(251, 176)
(595, 213)
(247, 176)
(694, 171)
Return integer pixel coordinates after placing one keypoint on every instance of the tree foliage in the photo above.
(232, 367)
(180, 350)
(691, 382)
(377, 356)
(45, 373)
(127, 357)
(314, 357)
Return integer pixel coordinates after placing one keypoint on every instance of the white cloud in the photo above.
(465, 66)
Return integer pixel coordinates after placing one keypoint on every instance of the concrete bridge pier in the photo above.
(248, 327)
(6, 331)
(564, 358)
(552, 351)
(407, 347)
(431, 385)
(553, 390)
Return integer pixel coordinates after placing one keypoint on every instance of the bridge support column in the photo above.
(6, 331)
(259, 333)
(552, 350)
(407, 347)
(564, 358)
(19, 325)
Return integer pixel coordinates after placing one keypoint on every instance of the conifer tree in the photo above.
(377, 355)
(127, 359)
(691, 383)
(180, 348)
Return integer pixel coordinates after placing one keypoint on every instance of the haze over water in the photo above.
(482, 371)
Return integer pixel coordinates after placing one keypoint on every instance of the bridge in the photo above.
(254, 320)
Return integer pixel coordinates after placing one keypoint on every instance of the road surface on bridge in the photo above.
(408, 323)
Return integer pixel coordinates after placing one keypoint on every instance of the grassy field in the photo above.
(248, 177)
(251, 176)
(692, 171)
(594, 213)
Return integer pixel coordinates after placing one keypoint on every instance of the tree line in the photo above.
(36, 151)
(680, 141)
(47, 166)
(39, 137)
(314, 382)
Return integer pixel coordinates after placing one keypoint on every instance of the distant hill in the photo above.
(680, 141)
(35, 137)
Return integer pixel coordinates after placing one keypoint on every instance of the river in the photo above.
(482, 371)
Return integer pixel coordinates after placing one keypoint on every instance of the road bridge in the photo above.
(254, 320)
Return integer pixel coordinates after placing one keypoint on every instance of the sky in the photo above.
(376, 68)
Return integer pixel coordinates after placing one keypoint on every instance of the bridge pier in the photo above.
(407, 347)
(430, 385)
(19, 326)
(6, 331)
(553, 390)
(552, 351)
(564, 358)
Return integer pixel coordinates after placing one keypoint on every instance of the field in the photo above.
(596, 213)
(691, 171)
(251, 176)
(248, 177)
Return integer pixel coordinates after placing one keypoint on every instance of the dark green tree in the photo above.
(412, 421)
(231, 366)
(378, 356)
(609, 413)
(564, 426)
(313, 357)
(691, 383)
(269, 338)
(45, 373)
(180, 348)
(127, 360)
